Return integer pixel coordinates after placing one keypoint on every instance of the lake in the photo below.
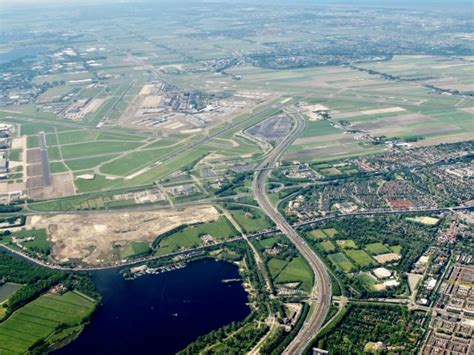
(162, 313)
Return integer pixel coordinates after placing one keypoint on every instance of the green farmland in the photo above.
(39, 320)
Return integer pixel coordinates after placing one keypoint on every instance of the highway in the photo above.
(320, 296)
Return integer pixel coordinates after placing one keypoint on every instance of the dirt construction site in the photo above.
(90, 238)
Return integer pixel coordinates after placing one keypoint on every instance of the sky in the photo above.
(353, 2)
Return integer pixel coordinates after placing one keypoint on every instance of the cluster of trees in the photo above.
(246, 333)
(216, 336)
(277, 343)
(11, 220)
(38, 280)
(390, 230)
(9, 208)
(229, 187)
(362, 323)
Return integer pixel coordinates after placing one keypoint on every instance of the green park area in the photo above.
(363, 325)
(34, 240)
(297, 270)
(134, 250)
(190, 236)
(251, 220)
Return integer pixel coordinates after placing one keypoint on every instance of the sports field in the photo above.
(326, 246)
(318, 234)
(377, 248)
(346, 244)
(360, 257)
(341, 262)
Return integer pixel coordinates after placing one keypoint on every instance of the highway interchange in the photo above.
(320, 296)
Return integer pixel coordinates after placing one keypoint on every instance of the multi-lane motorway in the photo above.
(320, 296)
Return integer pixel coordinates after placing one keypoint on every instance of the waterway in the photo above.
(162, 313)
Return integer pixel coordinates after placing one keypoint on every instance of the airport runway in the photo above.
(44, 160)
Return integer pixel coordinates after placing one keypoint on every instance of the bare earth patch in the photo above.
(90, 238)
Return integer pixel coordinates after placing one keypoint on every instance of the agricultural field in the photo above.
(39, 320)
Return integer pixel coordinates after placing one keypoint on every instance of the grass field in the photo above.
(429, 221)
(133, 161)
(190, 236)
(367, 280)
(88, 163)
(330, 232)
(96, 148)
(319, 234)
(377, 248)
(396, 249)
(268, 242)
(40, 243)
(39, 319)
(297, 270)
(134, 249)
(319, 128)
(275, 266)
(341, 262)
(251, 222)
(330, 171)
(360, 257)
(8, 289)
(326, 246)
(346, 244)
(57, 167)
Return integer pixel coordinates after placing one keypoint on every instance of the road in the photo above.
(320, 296)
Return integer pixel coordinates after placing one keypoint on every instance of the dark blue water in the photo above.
(161, 314)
